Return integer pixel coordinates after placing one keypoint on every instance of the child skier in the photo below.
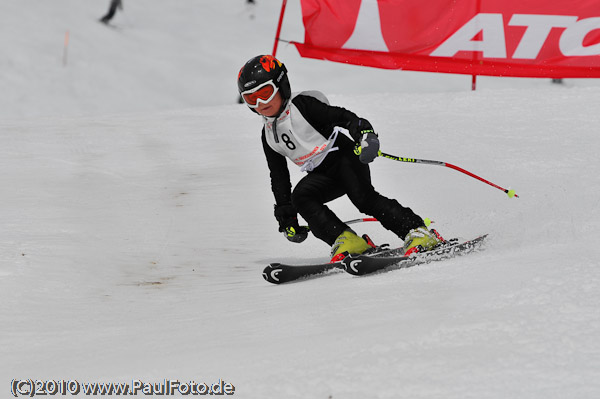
(314, 135)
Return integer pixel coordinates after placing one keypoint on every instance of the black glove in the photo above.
(288, 223)
(296, 234)
(369, 146)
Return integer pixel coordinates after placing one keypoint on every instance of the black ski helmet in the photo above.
(261, 69)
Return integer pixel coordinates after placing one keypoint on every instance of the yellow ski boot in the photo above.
(421, 239)
(349, 243)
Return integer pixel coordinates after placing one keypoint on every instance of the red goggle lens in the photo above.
(264, 93)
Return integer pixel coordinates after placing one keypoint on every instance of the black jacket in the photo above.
(322, 118)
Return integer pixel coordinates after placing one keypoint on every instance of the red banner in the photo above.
(526, 38)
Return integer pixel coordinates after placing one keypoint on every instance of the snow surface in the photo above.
(137, 218)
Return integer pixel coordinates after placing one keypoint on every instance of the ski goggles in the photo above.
(263, 93)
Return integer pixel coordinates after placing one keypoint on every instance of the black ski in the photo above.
(360, 265)
(278, 273)
(380, 259)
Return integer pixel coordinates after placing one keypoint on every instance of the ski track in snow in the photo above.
(137, 218)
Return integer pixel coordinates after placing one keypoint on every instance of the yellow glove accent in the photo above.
(290, 231)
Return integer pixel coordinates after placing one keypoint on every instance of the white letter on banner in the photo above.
(493, 44)
(538, 29)
(367, 31)
(571, 41)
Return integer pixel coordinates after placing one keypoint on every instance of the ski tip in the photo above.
(352, 265)
(271, 273)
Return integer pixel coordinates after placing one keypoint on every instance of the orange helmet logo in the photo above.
(268, 62)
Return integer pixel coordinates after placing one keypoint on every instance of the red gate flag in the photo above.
(524, 38)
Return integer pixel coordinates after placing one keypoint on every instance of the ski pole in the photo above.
(353, 221)
(510, 193)
(361, 220)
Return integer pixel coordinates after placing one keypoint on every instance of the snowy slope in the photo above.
(137, 219)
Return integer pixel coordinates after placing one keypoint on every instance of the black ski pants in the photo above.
(114, 4)
(342, 173)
